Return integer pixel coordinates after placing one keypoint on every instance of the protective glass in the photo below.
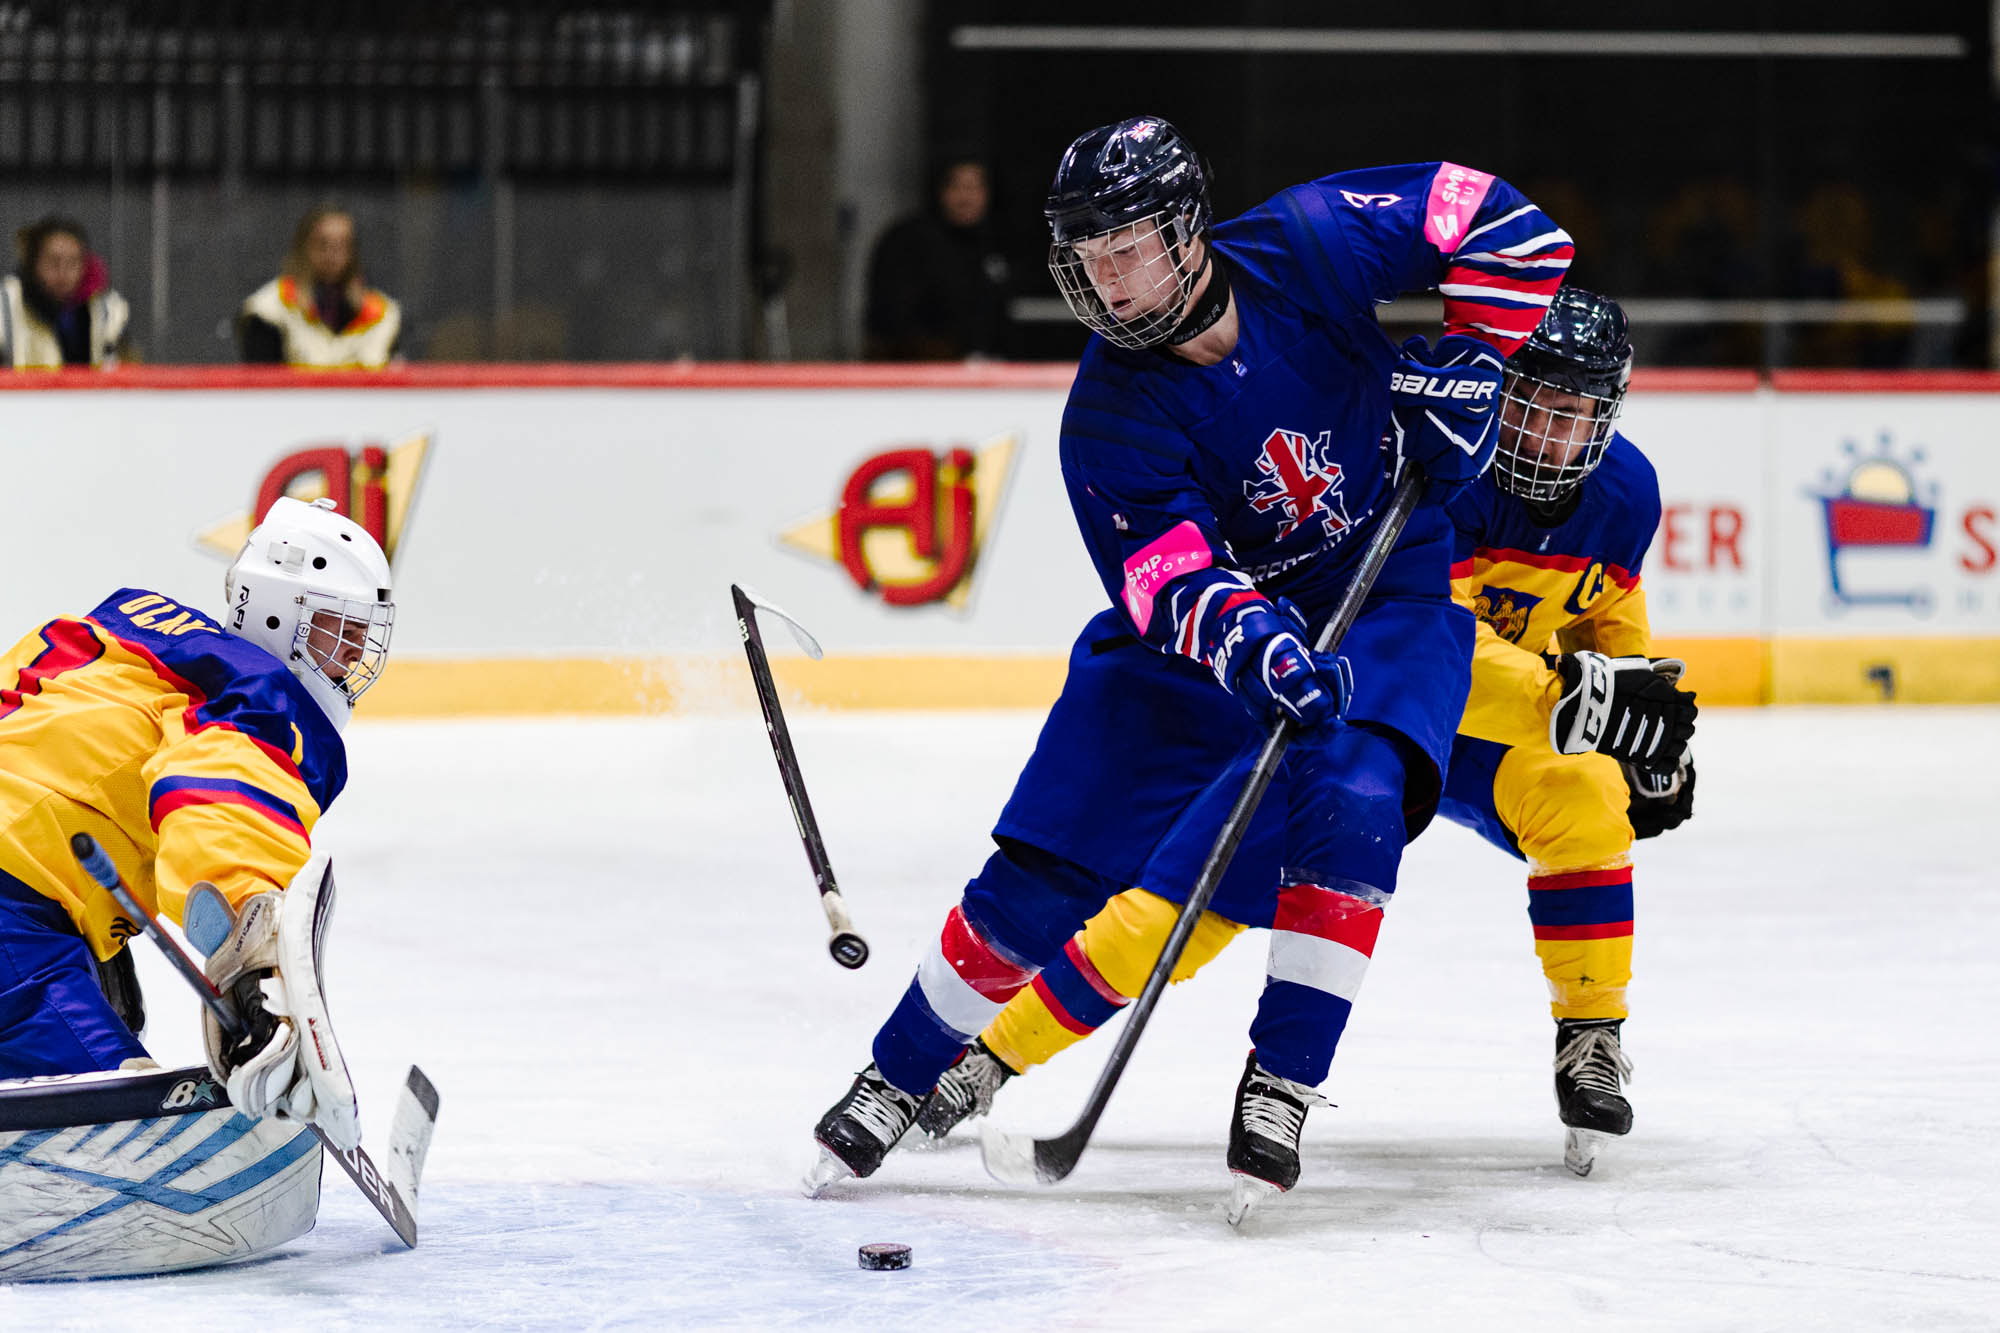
(1129, 285)
(346, 642)
(1550, 437)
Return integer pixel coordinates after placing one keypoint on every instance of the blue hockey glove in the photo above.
(1265, 663)
(1444, 410)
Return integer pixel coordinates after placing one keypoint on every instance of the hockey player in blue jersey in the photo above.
(1228, 446)
(1561, 760)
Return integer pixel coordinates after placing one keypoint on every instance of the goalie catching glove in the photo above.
(1627, 707)
(265, 958)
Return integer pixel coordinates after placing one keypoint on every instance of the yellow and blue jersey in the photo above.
(1562, 587)
(189, 753)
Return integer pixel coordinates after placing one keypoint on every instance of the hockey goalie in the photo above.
(198, 752)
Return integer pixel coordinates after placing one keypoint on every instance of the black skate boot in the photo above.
(858, 1131)
(965, 1091)
(1590, 1068)
(1264, 1137)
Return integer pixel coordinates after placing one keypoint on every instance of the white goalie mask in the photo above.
(312, 588)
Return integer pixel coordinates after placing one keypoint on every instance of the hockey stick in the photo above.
(394, 1195)
(1018, 1159)
(845, 944)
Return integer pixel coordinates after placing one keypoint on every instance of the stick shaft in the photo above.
(846, 945)
(98, 866)
(781, 743)
(1056, 1158)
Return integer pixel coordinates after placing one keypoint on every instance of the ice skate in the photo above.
(1264, 1137)
(858, 1131)
(965, 1091)
(1590, 1068)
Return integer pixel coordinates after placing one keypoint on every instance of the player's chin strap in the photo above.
(1208, 307)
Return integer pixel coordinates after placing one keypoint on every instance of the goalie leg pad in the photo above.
(168, 1189)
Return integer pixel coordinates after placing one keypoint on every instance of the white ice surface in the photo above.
(599, 938)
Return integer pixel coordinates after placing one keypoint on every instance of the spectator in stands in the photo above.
(58, 309)
(319, 311)
(937, 281)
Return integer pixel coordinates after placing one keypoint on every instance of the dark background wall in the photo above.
(1801, 173)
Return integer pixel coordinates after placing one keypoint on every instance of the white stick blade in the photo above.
(807, 643)
(410, 1134)
(1009, 1158)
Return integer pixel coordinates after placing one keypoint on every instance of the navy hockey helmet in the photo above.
(1124, 210)
(1549, 441)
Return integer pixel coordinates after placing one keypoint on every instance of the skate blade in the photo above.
(1580, 1149)
(826, 1171)
(1245, 1193)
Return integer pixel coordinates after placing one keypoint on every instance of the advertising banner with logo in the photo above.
(1886, 508)
(563, 538)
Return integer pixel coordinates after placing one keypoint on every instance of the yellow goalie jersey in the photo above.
(189, 753)
(1551, 583)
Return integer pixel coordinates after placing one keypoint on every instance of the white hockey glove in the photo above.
(266, 958)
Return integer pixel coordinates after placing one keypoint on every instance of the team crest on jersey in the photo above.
(1506, 610)
(1298, 478)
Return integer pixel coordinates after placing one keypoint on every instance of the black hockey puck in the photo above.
(885, 1257)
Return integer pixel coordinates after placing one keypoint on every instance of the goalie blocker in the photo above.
(266, 957)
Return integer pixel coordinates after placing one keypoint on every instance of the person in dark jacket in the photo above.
(937, 281)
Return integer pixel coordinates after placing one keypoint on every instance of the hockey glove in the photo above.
(267, 958)
(1444, 410)
(1626, 707)
(1266, 664)
(1660, 801)
(262, 1069)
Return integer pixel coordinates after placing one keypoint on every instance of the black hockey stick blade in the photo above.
(1018, 1159)
(844, 942)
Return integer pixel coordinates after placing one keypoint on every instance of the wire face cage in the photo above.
(346, 641)
(1130, 286)
(1550, 437)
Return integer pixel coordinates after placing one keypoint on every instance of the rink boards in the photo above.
(564, 536)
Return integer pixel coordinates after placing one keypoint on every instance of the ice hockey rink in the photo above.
(600, 939)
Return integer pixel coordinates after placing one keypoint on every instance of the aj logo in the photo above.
(911, 522)
(1299, 478)
(374, 485)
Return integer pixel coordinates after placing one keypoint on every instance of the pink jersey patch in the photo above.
(1180, 550)
(1456, 194)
